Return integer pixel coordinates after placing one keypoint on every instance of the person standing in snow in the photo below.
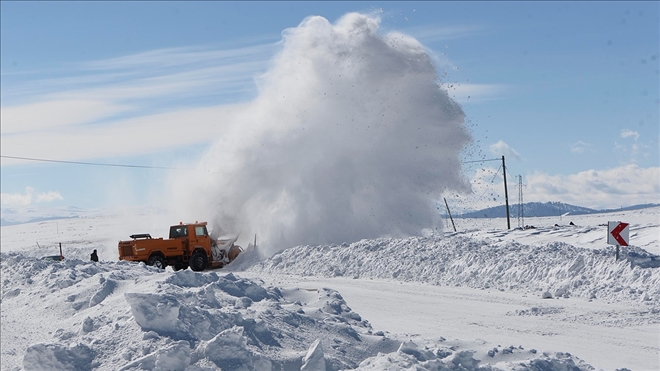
(94, 257)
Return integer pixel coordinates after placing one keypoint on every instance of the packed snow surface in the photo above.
(547, 298)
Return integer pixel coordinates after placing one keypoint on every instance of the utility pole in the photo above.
(521, 213)
(506, 196)
(449, 212)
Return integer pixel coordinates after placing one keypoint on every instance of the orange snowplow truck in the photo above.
(188, 245)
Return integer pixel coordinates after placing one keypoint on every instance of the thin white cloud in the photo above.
(36, 117)
(580, 147)
(112, 110)
(191, 56)
(147, 68)
(501, 148)
(28, 198)
(629, 134)
(197, 82)
(435, 33)
(130, 136)
(474, 93)
(632, 152)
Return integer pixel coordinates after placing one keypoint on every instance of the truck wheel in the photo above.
(157, 261)
(198, 261)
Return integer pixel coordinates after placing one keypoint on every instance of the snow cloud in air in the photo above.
(350, 137)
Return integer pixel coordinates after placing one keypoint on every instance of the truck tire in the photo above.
(157, 261)
(198, 261)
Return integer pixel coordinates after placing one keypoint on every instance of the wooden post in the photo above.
(61, 256)
(448, 212)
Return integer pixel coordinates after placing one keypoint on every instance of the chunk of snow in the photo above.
(314, 359)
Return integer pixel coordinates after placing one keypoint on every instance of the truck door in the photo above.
(180, 232)
(201, 236)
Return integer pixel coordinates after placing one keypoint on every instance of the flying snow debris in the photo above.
(350, 137)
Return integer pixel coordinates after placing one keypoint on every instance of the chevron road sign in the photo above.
(617, 233)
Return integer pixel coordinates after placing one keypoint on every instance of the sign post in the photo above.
(618, 234)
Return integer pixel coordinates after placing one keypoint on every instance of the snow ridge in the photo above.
(556, 267)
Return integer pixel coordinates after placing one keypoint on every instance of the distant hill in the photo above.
(636, 207)
(11, 216)
(540, 209)
(6, 223)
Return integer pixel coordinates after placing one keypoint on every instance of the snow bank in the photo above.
(110, 316)
(58, 357)
(435, 357)
(558, 268)
(122, 316)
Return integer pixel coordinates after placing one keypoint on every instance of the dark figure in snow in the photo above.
(95, 257)
(571, 223)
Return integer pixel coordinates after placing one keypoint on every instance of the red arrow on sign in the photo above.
(616, 234)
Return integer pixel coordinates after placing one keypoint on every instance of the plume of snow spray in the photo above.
(350, 137)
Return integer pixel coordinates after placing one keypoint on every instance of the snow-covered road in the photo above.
(605, 335)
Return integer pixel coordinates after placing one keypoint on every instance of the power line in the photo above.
(506, 191)
(491, 182)
(492, 159)
(89, 163)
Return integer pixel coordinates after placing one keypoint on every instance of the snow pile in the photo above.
(137, 317)
(557, 268)
(79, 315)
(411, 356)
(588, 231)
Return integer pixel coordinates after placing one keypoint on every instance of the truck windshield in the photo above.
(179, 231)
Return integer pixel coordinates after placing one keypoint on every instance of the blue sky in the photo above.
(567, 91)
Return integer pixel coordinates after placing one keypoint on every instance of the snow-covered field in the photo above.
(483, 298)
